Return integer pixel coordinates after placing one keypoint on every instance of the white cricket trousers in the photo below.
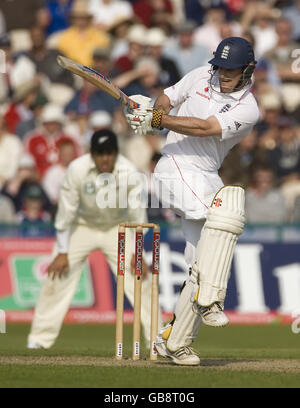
(56, 295)
(189, 192)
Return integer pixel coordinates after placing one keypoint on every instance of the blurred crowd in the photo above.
(47, 115)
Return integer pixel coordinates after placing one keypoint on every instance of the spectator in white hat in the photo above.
(105, 12)
(155, 41)
(42, 143)
(136, 48)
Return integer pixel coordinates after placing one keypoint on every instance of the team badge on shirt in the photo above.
(89, 188)
(237, 125)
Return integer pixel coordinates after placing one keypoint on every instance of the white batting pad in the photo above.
(187, 322)
(224, 223)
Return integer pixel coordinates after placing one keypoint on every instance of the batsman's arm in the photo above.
(191, 126)
(163, 103)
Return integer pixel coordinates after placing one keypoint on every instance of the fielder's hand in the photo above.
(59, 266)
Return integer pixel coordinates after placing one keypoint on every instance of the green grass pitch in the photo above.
(83, 356)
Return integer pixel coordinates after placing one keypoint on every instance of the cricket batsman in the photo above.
(215, 110)
(83, 225)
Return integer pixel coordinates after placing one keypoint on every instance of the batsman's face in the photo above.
(229, 78)
(105, 162)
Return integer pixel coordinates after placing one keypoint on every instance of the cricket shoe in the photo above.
(33, 345)
(183, 356)
(213, 315)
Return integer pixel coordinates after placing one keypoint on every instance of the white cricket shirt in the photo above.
(236, 112)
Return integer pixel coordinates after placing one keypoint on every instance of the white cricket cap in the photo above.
(137, 34)
(155, 37)
(270, 100)
(100, 119)
(52, 113)
(26, 161)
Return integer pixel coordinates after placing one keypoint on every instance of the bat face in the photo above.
(100, 81)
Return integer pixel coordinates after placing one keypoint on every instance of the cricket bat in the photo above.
(95, 78)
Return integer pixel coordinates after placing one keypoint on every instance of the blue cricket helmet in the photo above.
(233, 52)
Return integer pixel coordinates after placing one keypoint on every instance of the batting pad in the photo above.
(187, 322)
(225, 222)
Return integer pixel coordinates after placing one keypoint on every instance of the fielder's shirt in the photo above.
(236, 112)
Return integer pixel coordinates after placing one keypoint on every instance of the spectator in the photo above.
(7, 211)
(89, 99)
(54, 176)
(258, 17)
(188, 55)
(266, 78)
(28, 125)
(59, 11)
(102, 62)
(237, 165)
(148, 83)
(20, 16)
(44, 59)
(271, 108)
(79, 41)
(32, 206)
(42, 143)
(290, 189)
(106, 12)
(208, 34)
(137, 40)
(2, 23)
(169, 73)
(285, 157)
(281, 56)
(5, 83)
(20, 108)
(264, 203)
(119, 32)
(292, 13)
(196, 10)
(145, 10)
(10, 153)
(27, 175)
(33, 219)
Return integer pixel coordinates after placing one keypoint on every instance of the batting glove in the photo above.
(140, 123)
(143, 101)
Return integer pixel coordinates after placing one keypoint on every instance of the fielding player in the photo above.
(215, 111)
(82, 227)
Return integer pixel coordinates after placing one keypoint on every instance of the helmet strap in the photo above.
(245, 77)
